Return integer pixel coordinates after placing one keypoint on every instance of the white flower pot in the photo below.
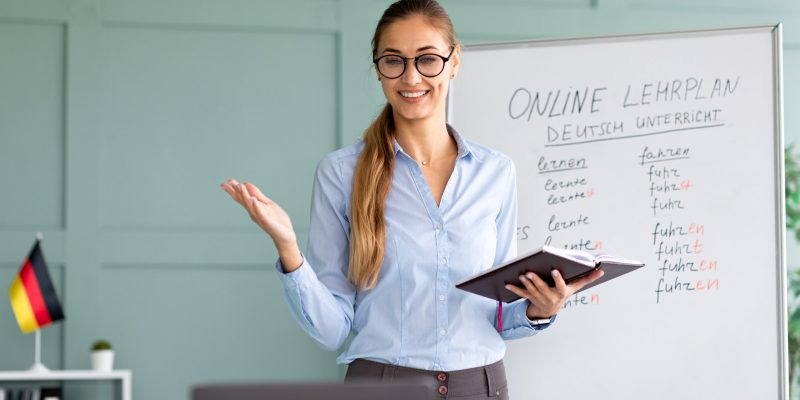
(103, 360)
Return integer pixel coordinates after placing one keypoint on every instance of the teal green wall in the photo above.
(118, 120)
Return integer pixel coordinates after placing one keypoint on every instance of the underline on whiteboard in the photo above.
(560, 170)
(665, 159)
(636, 136)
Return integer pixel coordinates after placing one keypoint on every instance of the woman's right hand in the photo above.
(270, 217)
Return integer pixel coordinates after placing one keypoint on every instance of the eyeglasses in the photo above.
(429, 65)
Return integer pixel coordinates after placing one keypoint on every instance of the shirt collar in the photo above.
(462, 145)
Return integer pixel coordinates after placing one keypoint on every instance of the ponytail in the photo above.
(372, 182)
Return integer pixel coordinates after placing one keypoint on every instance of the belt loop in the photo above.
(491, 382)
(387, 376)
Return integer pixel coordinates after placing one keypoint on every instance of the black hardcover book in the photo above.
(572, 265)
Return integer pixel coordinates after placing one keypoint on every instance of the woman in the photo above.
(399, 217)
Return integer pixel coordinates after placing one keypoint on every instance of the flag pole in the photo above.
(37, 364)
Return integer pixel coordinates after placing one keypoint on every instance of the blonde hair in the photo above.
(372, 180)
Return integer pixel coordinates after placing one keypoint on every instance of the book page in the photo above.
(612, 258)
(576, 255)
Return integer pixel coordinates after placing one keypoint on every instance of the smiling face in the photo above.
(414, 96)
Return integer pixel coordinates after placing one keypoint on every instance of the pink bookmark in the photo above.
(500, 316)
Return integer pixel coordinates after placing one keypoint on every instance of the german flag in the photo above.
(33, 297)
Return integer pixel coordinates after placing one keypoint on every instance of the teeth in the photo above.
(413, 94)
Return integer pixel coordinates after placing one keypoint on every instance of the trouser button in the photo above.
(443, 390)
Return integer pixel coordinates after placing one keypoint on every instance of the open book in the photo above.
(572, 264)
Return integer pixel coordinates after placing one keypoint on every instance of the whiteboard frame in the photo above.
(780, 218)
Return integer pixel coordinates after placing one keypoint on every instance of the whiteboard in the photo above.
(667, 148)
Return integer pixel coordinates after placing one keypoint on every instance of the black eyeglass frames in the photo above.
(392, 66)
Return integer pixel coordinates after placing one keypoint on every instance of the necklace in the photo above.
(426, 163)
(448, 154)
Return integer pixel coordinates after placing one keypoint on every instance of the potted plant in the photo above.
(792, 182)
(102, 356)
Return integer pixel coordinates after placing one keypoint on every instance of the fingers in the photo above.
(243, 192)
(539, 286)
(256, 192)
(231, 187)
(534, 288)
(561, 286)
(247, 201)
(544, 300)
(265, 213)
(227, 187)
(517, 291)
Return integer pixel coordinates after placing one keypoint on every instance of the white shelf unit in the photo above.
(124, 376)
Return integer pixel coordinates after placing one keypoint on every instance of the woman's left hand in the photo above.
(546, 301)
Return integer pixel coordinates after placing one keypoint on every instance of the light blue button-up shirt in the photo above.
(414, 317)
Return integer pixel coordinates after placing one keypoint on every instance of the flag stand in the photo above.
(37, 365)
(34, 300)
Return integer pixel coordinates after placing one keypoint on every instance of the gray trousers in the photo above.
(481, 383)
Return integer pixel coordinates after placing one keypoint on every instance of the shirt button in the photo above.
(438, 227)
(441, 297)
(443, 390)
(444, 260)
(443, 332)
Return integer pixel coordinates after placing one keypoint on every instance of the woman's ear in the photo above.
(455, 61)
